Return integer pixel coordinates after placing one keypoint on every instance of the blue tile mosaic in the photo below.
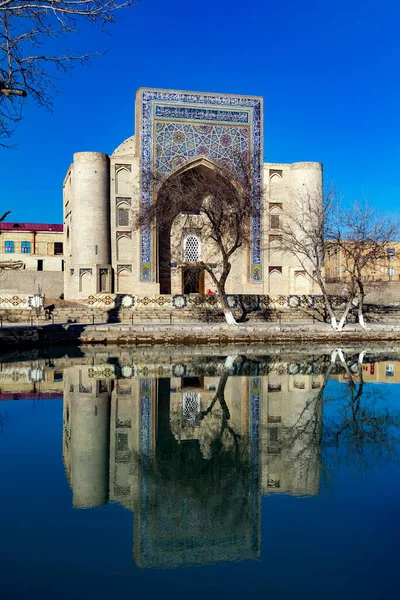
(176, 127)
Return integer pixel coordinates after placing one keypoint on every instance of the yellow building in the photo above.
(387, 371)
(386, 268)
(32, 246)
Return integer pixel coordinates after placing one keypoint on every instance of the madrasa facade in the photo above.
(107, 252)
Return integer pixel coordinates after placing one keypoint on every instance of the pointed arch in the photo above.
(276, 281)
(123, 182)
(124, 279)
(301, 283)
(124, 246)
(275, 186)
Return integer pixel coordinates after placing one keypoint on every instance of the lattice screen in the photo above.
(192, 248)
(191, 405)
(122, 217)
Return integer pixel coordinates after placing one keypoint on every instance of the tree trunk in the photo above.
(229, 318)
(360, 309)
(327, 302)
(345, 314)
(328, 307)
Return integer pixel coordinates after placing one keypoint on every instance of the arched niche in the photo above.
(276, 282)
(275, 249)
(122, 182)
(124, 281)
(85, 282)
(124, 248)
(301, 283)
(275, 186)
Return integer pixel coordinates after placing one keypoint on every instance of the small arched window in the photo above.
(191, 248)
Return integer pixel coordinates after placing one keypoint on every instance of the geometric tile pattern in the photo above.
(175, 127)
(177, 143)
(192, 301)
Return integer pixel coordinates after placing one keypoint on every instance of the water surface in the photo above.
(139, 474)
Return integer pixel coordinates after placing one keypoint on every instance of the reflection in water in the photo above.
(191, 447)
(191, 456)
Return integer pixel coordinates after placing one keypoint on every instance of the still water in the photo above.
(125, 474)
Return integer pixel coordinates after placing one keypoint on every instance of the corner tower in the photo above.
(87, 228)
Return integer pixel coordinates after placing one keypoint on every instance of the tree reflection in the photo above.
(204, 495)
(363, 430)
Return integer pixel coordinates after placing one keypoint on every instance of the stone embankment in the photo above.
(85, 315)
(193, 333)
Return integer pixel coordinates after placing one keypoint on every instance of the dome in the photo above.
(127, 147)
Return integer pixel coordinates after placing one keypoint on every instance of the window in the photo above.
(274, 221)
(9, 247)
(58, 247)
(192, 382)
(192, 248)
(25, 247)
(103, 274)
(122, 442)
(329, 255)
(122, 217)
(390, 271)
(191, 406)
(273, 434)
(335, 252)
(274, 387)
(40, 264)
(391, 253)
(103, 386)
(389, 370)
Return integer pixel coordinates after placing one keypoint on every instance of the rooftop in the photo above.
(6, 226)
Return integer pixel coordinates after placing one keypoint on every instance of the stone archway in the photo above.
(179, 237)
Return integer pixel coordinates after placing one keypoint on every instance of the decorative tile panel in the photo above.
(13, 301)
(176, 127)
(189, 301)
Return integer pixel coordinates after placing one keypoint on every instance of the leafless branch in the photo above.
(303, 235)
(29, 64)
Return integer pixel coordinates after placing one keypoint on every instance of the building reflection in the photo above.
(191, 455)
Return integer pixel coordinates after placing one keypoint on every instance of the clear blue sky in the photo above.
(328, 71)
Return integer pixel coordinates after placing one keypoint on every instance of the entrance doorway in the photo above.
(193, 280)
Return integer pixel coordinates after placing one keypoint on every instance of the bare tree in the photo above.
(2, 218)
(216, 209)
(303, 235)
(359, 232)
(362, 234)
(29, 65)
